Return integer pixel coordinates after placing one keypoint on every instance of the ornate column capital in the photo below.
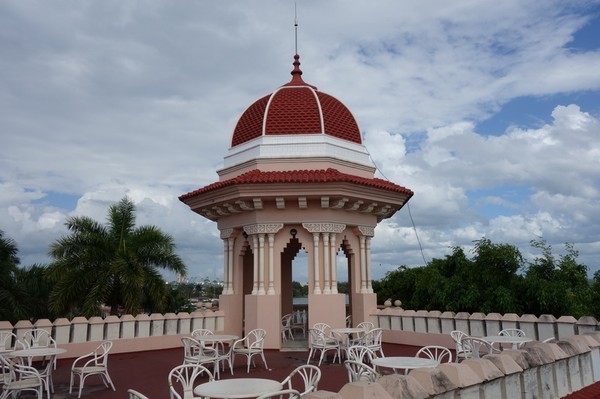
(368, 231)
(227, 233)
(320, 227)
(263, 228)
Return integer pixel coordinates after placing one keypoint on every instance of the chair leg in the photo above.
(321, 358)
(309, 356)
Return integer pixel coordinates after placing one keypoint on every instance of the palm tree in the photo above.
(12, 307)
(117, 265)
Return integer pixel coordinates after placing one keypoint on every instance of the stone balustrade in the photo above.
(128, 333)
(539, 370)
(409, 326)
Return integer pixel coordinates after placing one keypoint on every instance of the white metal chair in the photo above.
(349, 321)
(202, 332)
(196, 353)
(6, 345)
(366, 326)
(94, 363)
(435, 352)
(320, 342)
(286, 327)
(299, 322)
(513, 332)
(476, 347)
(19, 378)
(8, 341)
(326, 328)
(133, 394)
(360, 353)
(310, 375)
(372, 340)
(457, 336)
(46, 375)
(358, 371)
(38, 338)
(185, 376)
(283, 394)
(251, 345)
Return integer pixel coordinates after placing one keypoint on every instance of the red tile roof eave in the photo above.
(377, 184)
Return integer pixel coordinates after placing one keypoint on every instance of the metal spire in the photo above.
(296, 27)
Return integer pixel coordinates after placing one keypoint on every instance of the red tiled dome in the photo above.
(296, 108)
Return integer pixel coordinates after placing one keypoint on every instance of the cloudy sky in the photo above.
(488, 110)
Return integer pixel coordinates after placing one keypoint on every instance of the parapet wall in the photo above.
(409, 326)
(539, 370)
(128, 333)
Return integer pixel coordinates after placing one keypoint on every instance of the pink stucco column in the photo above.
(326, 268)
(333, 253)
(317, 287)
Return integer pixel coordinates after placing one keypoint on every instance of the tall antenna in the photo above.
(296, 27)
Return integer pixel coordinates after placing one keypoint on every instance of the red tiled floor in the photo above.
(147, 372)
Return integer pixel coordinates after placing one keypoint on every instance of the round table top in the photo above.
(237, 388)
(43, 351)
(348, 330)
(217, 337)
(405, 362)
(507, 339)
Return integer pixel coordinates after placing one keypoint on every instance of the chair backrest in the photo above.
(298, 318)
(256, 338)
(191, 347)
(512, 332)
(8, 340)
(133, 394)
(324, 327)
(38, 338)
(310, 375)
(201, 332)
(184, 376)
(435, 352)
(349, 321)
(457, 336)
(283, 394)
(101, 353)
(358, 371)
(361, 353)
(318, 337)
(477, 347)
(286, 320)
(372, 338)
(366, 325)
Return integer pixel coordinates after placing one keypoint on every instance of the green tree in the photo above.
(558, 286)
(117, 265)
(12, 295)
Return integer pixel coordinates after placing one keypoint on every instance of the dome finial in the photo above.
(296, 63)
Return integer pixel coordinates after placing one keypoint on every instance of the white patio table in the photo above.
(507, 339)
(404, 362)
(345, 333)
(237, 388)
(36, 352)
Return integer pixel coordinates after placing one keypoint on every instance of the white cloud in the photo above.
(105, 99)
